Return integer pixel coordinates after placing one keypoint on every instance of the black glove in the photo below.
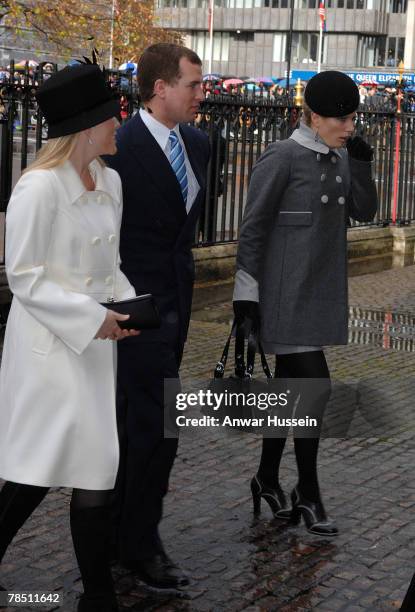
(359, 149)
(244, 310)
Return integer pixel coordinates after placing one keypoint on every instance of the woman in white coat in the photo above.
(57, 380)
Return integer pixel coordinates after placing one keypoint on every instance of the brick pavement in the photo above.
(241, 563)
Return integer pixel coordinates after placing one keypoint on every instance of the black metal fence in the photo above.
(239, 125)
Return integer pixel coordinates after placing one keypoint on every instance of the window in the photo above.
(397, 6)
(243, 36)
(380, 51)
(175, 3)
(356, 4)
(305, 47)
(201, 44)
(279, 53)
(311, 4)
(396, 51)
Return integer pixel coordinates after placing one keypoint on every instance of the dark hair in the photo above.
(161, 61)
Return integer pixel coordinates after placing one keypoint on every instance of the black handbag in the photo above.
(242, 382)
(142, 310)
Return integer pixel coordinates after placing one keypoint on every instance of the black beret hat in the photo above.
(75, 99)
(332, 94)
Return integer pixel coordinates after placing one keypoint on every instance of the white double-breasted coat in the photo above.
(57, 382)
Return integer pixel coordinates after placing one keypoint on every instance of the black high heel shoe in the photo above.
(313, 514)
(274, 497)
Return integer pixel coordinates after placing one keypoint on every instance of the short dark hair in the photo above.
(161, 61)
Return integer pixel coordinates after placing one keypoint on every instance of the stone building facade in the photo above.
(250, 36)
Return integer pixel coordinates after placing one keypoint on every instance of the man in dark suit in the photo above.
(162, 165)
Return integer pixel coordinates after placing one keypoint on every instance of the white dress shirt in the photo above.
(161, 133)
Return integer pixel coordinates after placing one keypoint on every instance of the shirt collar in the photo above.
(306, 137)
(158, 130)
(72, 185)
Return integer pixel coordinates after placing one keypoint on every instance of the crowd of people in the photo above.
(90, 412)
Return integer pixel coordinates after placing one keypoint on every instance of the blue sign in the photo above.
(304, 75)
(381, 78)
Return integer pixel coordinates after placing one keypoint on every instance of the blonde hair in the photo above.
(306, 116)
(56, 152)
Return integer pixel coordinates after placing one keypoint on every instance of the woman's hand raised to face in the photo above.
(111, 330)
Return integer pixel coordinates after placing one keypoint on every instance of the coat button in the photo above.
(318, 156)
(341, 200)
(323, 178)
(339, 179)
(108, 280)
(88, 281)
(333, 159)
(324, 199)
(95, 240)
(111, 238)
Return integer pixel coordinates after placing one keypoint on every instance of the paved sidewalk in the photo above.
(240, 563)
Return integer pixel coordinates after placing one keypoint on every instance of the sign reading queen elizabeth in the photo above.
(381, 78)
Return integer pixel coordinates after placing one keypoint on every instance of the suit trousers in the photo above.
(146, 457)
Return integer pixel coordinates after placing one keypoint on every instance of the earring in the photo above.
(316, 137)
(90, 140)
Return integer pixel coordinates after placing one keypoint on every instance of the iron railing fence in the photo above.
(239, 125)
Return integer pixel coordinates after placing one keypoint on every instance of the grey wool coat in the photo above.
(292, 254)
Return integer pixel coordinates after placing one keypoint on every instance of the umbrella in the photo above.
(129, 66)
(214, 76)
(283, 82)
(251, 86)
(232, 82)
(264, 80)
(229, 76)
(74, 62)
(22, 64)
(369, 84)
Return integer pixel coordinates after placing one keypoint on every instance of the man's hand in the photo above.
(111, 330)
(359, 149)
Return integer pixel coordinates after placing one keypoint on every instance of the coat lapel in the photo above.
(149, 154)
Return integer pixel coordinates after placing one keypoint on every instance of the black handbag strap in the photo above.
(220, 366)
(242, 370)
(254, 343)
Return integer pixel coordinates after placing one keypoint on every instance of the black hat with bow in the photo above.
(76, 98)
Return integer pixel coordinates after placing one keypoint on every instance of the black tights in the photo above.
(90, 528)
(295, 365)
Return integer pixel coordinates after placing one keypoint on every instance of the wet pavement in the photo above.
(237, 562)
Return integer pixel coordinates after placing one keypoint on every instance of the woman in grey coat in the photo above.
(291, 275)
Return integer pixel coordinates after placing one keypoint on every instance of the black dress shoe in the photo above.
(313, 514)
(274, 497)
(158, 571)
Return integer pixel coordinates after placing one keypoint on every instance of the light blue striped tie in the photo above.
(178, 163)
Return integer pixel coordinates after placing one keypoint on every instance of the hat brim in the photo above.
(85, 120)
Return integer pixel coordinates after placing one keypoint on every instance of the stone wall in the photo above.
(369, 250)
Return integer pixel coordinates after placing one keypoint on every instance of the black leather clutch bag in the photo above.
(142, 310)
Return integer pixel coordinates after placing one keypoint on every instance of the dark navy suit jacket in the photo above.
(156, 232)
